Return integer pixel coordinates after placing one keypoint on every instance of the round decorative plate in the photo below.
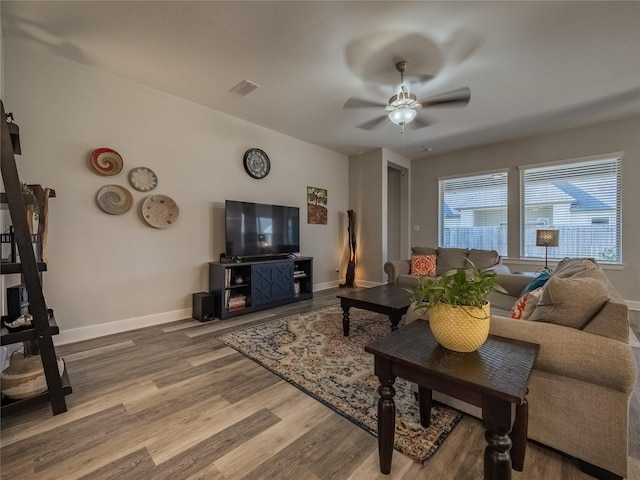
(143, 179)
(114, 199)
(106, 161)
(160, 211)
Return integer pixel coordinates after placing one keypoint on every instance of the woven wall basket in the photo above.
(24, 377)
(459, 328)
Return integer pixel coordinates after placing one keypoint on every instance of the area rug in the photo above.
(310, 352)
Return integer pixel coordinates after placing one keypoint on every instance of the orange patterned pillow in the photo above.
(423, 265)
(518, 307)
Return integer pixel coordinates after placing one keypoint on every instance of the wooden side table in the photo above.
(495, 378)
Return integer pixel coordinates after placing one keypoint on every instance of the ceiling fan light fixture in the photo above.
(402, 116)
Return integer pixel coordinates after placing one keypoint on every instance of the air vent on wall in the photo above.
(244, 88)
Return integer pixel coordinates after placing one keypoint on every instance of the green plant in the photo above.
(459, 287)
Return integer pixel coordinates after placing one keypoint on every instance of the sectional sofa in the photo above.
(585, 372)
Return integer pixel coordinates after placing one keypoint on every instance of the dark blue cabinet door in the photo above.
(271, 283)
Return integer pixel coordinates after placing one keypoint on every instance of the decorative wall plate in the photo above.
(115, 199)
(106, 161)
(160, 211)
(143, 179)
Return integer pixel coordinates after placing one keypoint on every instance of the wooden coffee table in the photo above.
(494, 378)
(389, 299)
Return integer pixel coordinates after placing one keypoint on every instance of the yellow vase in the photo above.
(460, 328)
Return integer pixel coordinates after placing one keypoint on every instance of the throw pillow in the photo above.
(571, 302)
(483, 258)
(518, 307)
(533, 297)
(538, 282)
(568, 267)
(451, 259)
(423, 265)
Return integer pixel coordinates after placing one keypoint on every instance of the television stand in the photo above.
(248, 285)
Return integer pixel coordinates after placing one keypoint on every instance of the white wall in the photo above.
(103, 268)
(608, 137)
(368, 197)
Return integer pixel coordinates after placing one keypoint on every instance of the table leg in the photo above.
(345, 318)
(519, 435)
(386, 423)
(424, 403)
(497, 418)
(395, 318)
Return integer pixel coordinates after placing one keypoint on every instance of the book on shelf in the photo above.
(227, 277)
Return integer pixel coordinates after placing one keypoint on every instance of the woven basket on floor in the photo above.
(24, 377)
(459, 328)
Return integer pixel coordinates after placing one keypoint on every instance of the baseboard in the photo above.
(633, 305)
(325, 285)
(79, 334)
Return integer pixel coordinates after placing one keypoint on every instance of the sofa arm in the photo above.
(574, 353)
(514, 283)
(396, 267)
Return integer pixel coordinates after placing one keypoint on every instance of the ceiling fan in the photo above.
(403, 107)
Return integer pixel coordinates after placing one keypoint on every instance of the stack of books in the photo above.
(236, 302)
(299, 274)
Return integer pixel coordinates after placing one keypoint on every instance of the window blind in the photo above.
(473, 212)
(581, 200)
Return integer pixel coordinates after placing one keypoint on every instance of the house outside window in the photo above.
(580, 199)
(473, 212)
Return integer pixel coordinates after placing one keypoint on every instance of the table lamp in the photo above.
(547, 238)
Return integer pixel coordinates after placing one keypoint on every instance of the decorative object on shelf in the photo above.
(546, 239)
(256, 163)
(24, 377)
(106, 161)
(239, 280)
(143, 179)
(115, 199)
(14, 132)
(458, 306)
(317, 206)
(160, 211)
(350, 279)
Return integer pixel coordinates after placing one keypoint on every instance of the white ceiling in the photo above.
(531, 66)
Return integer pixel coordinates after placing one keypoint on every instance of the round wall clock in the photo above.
(256, 163)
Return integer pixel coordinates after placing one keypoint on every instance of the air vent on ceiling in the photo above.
(245, 87)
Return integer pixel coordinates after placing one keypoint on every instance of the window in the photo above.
(473, 212)
(581, 200)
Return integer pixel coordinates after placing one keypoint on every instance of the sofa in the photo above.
(445, 259)
(584, 375)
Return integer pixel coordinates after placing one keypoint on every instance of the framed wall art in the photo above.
(316, 206)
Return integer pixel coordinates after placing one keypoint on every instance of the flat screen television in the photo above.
(257, 229)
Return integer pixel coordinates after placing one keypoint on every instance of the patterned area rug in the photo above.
(310, 352)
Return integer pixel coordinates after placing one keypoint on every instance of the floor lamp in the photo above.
(547, 238)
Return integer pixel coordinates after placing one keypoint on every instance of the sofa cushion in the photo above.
(424, 251)
(571, 302)
(423, 265)
(568, 267)
(482, 258)
(451, 259)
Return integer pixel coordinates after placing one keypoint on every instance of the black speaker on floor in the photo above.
(203, 306)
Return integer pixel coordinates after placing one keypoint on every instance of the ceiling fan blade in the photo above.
(371, 124)
(459, 97)
(417, 124)
(418, 78)
(360, 103)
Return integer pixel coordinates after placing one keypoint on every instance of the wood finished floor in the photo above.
(172, 402)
